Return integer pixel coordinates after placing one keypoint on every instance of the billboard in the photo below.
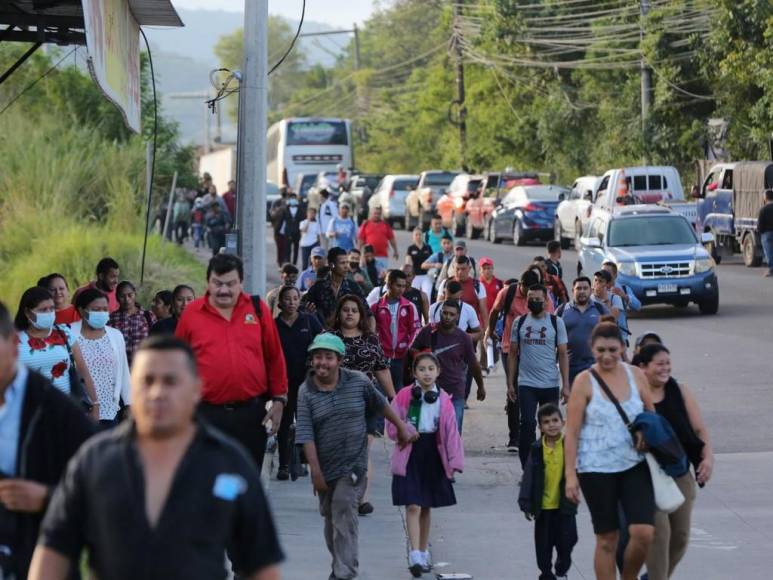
(112, 39)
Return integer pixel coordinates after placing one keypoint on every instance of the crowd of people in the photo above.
(202, 214)
(343, 351)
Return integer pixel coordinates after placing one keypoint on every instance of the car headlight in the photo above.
(627, 268)
(704, 265)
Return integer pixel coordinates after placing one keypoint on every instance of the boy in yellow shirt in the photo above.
(542, 497)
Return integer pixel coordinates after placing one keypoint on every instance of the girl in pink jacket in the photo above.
(422, 471)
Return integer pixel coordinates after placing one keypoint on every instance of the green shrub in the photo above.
(74, 250)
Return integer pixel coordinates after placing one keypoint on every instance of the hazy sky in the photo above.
(335, 12)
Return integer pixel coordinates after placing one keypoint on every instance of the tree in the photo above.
(287, 78)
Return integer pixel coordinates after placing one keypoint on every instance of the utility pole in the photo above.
(462, 122)
(646, 75)
(356, 47)
(251, 147)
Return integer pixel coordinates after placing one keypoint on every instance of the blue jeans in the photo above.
(459, 411)
(767, 247)
(530, 398)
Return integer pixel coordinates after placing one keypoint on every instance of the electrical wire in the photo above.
(292, 44)
(152, 157)
(223, 91)
(36, 81)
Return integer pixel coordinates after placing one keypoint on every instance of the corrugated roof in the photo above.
(146, 12)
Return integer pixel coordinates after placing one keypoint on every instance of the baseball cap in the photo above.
(642, 337)
(318, 252)
(460, 244)
(486, 261)
(328, 341)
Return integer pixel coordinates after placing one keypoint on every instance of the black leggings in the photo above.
(284, 444)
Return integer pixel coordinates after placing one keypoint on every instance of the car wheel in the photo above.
(492, 233)
(749, 248)
(710, 305)
(577, 234)
(518, 237)
(711, 248)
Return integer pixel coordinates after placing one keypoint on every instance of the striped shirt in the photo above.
(335, 422)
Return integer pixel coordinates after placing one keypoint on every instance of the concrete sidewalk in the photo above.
(485, 535)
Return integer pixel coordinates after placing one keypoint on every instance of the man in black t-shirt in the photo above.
(418, 298)
(164, 496)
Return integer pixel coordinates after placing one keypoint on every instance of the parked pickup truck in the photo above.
(644, 185)
(730, 199)
(658, 255)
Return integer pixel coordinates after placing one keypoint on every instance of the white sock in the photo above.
(415, 557)
(425, 556)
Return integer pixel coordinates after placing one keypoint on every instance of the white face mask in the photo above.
(97, 319)
(44, 320)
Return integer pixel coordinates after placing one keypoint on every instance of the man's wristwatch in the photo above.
(280, 399)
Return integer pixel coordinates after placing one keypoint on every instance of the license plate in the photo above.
(667, 288)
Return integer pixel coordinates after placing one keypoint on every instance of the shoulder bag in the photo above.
(668, 497)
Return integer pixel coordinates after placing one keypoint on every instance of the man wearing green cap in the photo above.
(332, 404)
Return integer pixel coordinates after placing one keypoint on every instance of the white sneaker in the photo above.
(427, 564)
(416, 563)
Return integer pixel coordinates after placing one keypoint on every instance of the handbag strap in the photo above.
(608, 392)
(66, 343)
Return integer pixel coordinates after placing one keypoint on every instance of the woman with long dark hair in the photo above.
(179, 298)
(602, 457)
(677, 404)
(104, 352)
(363, 353)
(46, 347)
(296, 332)
(131, 319)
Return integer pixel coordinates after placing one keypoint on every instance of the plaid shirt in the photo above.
(134, 327)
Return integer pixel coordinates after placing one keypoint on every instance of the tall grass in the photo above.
(69, 198)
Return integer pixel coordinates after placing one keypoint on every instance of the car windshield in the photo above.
(439, 178)
(544, 193)
(650, 231)
(404, 184)
(306, 183)
(372, 181)
(473, 185)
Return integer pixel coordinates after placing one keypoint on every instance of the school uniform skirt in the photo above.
(425, 483)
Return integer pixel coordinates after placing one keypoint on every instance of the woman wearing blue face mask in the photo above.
(43, 345)
(104, 352)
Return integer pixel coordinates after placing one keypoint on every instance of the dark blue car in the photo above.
(526, 212)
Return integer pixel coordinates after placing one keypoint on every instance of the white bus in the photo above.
(307, 145)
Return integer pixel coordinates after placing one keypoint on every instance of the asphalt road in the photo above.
(727, 359)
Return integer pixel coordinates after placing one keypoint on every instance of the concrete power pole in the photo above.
(251, 148)
(646, 74)
(462, 122)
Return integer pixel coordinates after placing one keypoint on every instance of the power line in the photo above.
(36, 81)
(292, 43)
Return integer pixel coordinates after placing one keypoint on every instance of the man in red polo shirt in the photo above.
(239, 356)
(377, 233)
